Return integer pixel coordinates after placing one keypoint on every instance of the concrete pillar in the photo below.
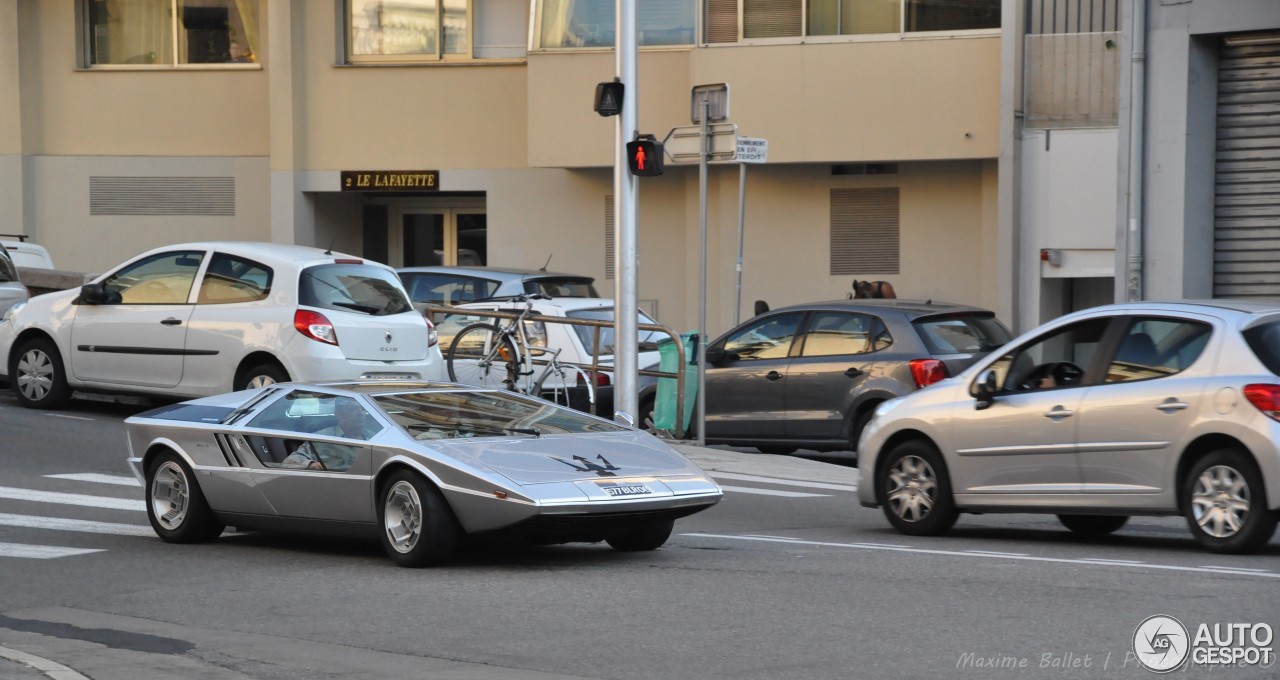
(292, 218)
(1010, 305)
(12, 185)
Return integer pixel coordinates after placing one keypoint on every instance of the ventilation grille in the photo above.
(721, 21)
(162, 196)
(608, 237)
(864, 231)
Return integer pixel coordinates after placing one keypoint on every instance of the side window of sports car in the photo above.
(162, 279)
(309, 415)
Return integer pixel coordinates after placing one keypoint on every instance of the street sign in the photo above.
(753, 150)
(714, 97)
(684, 144)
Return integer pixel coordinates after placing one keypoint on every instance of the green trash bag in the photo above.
(664, 405)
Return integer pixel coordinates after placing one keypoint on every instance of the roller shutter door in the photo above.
(1247, 173)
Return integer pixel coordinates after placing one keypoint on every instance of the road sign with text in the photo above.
(753, 150)
(684, 144)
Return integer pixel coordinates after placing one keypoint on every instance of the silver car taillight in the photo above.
(432, 336)
(1265, 398)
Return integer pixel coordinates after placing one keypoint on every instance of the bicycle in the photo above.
(499, 355)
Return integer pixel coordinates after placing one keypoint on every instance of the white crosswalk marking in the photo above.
(81, 525)
(121, 480)
(72, 499)
(41, 552)
(771, 492)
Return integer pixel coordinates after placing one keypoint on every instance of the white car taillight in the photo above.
(314, 325)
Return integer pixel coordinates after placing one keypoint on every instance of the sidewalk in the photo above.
(767, 465)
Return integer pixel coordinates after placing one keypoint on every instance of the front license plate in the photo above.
(626, 489)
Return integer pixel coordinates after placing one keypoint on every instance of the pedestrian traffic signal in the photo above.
(644, 157)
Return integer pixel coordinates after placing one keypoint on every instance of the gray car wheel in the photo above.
(648, 536)
(262, 375)
(915, 490)
(175, 505)
(38, 377)
(418, 528)
(1225, 503)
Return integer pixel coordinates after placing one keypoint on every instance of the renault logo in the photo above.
(388, 337)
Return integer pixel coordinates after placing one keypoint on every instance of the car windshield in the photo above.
(352, 288)
(562, 287)
(8, 274)
(466, 415)
(961, 333)
(648, 339)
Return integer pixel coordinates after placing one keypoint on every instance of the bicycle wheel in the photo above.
(481, 355)
(557, 383)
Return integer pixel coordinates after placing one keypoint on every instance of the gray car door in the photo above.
(1025, 442)
(834, 357)
(746, 391)
(1144, 405)
(314, 465)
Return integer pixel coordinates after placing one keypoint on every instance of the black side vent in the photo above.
(214, 196)
(865, 169)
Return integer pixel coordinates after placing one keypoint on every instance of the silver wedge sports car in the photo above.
(417, 464)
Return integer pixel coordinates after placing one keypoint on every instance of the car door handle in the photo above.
(1058, 413)
(853, 372)
(773, 375)
(172, 322)
(1172, 404)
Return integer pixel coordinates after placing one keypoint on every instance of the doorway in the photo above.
(423, 236)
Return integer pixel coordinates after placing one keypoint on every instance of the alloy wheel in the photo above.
(402, 516)
(1220, 501)
(260, 381)
(912, 486)
(35, 374)
(170, 495)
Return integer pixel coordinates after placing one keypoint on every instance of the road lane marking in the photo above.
(72, 499)
(64, 415)
(785, 538)
(781, 482)
(122, 480)
(957, 553)
(1110, 561)
(53, 669)
(996, 552)
(1261, 571)
(771, 492)
(41, 552)
(81, 525)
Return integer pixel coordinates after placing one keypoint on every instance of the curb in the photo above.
(52, 669)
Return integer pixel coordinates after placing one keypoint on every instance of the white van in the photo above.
(27, 254)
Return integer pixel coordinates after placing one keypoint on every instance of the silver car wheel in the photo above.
(170, 495)
(260, 381)
(1220, 501)
(912, 488)
(35, 374)
(402, 516)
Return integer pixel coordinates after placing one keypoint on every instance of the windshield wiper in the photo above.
(524, 430)
(367, 309)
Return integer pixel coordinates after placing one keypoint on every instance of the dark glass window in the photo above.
(353, 288)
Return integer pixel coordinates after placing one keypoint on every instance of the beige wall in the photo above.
(185, 112)
(404, 118)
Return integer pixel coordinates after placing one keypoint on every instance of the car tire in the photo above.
(915, 490)
(38, 376)
(1093, 525)
(1225, 503)
(646, 414)
(261, 376)
(176, 506)
(418, 527)
(858, 424)
(647, 536)
(777, 450)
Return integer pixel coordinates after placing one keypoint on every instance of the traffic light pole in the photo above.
(626, 190)
(704, 142)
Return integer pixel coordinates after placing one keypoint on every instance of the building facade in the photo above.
(417, 132)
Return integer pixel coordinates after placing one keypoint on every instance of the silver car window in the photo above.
(466, 414)
(1155, 348)
(8, 274)
(319, 413)
(161, 279)
(234, 279)
(837, 333)
(768, 338)
(1031, 367)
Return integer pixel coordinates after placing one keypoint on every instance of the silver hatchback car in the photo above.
(1130, 409)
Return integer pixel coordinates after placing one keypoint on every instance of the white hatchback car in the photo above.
(200, 319)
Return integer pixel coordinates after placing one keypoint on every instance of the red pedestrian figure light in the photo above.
(644, 157)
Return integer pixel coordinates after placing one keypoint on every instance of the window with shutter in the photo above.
(864, 231)
(772, 18)
(721, 21)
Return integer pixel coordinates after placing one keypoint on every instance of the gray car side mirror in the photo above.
(985, 391)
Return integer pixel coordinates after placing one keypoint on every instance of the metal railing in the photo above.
(593, 369)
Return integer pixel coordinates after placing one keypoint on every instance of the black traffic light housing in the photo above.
(644, 156)
(608, 101)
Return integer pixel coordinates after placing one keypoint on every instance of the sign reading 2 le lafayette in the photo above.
(390, 180)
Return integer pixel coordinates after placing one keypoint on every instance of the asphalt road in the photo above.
(787, 578)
